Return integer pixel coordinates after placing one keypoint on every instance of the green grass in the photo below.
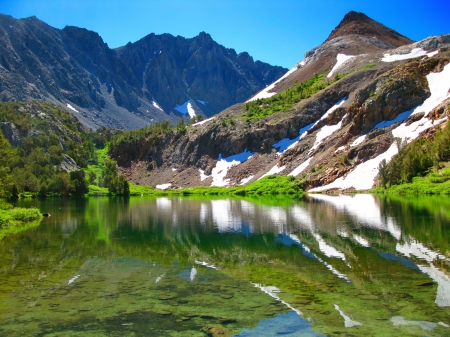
(433, 183)
(95, 190)
(142, 190)
(17, 219)
(285, 100)
(270, 185)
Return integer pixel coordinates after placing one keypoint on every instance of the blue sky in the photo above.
(278, 32)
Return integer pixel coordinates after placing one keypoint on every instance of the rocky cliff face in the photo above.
(155, 79)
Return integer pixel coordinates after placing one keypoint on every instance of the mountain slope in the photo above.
(356, 34)
(332, 132)
(129, 87)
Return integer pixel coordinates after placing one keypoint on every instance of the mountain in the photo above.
(160, 77)
(347, 108)
(356, 34)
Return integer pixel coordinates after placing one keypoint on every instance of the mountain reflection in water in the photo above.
(322, 265)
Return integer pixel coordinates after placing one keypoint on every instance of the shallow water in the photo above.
(349, 265)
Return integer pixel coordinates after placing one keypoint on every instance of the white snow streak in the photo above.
(358, 141)
(71, 107)
(205, 264)
(163, 186)
(156, 106)
(348, 322)
(245, 180)
(73, 279)
(300, 168)
(272, 292)
(273, 170)
(328, 250)
(341, 59)
(190, 110)
(220, 171)
(416, 52)
(203, 121)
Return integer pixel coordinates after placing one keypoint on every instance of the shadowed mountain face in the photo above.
(173, 70)
(129, 87)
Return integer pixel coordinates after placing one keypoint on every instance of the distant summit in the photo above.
(360, 24)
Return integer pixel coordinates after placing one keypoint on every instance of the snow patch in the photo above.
(400, 118)
(300, 168)
(273, 170)
(363, 242)
(159, 278)
(348, 322)
(287, 144)
(324, 132)
(192, 274)
(156, 106)
(186, 109)
(245, 180)
(357, 141)
(330, 110)
(203, 176)
(203, 121)
(191, 110)
(220, 171)
(416, 52)
(362, 177)
(73, 279)
(341, 59)
(71, 107)
(205, 264)
(400, 320)
(163, 186)
(203, 102)
(328, 250)
(273, 292)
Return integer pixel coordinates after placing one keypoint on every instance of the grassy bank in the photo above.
(270, 185)
(16, 219)
(435, 183)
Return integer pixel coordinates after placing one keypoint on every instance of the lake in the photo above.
(320, 265)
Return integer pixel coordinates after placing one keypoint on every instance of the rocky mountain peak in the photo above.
(360, 24)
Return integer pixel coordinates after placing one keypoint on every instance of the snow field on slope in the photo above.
(362, 177)
(341, 59)
(186, 109)
(416, 52)
(156, 105)
(71, 107)
(220, 171)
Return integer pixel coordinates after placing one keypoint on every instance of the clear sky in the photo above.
(278, 32)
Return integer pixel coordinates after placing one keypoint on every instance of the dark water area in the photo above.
(322, 265)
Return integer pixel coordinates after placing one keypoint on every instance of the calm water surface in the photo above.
(348, 265)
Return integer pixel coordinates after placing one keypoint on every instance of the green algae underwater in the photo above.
(319, 265)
